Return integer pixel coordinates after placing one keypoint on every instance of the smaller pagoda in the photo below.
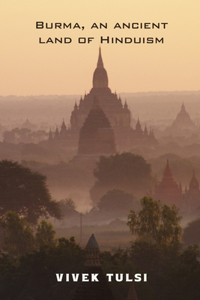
(93, 290)
(192, 196)
(168, 190)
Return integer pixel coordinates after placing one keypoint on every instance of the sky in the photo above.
(28, 67)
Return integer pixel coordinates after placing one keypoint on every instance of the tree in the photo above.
(18, 235)
(67, 206)
(45, 234)
(125, 171)
(25, 192)
(156, 223)
(116, 201)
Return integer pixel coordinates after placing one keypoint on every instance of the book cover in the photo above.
(99, 150)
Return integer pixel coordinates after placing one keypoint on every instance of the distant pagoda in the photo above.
(27, 124)
(143, 137)
(182, 125)
(93, 290)
(168, 190)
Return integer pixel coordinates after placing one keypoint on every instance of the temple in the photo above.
(192, 196)
(168, 190)
(93, 290)
(118, 115)
(143, 137)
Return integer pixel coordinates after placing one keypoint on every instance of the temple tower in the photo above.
(63, 130)
(168, 190)
(118, 115)
(192, 195)
(93, 290)
(50, 138)
(100, 78)
(138, 127)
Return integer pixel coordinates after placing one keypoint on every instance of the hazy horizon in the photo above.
(118, 93)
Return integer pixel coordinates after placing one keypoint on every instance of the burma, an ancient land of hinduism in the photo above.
(117, 113)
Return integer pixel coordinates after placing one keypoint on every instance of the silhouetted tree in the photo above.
(125, 171)
(25, 192)
(33, 275)
(67, 206)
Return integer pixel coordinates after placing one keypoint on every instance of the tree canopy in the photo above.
(18, 235)
(25, 192)
(45, 234)
(125, 171)
(156, 223)
(67, 206)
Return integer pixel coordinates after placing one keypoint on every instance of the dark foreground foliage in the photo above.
(25, 192)
(171, 275)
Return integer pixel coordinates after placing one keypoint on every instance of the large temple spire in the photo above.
(100, 60)
(100, 77)
(183, 107)
(167, 172)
